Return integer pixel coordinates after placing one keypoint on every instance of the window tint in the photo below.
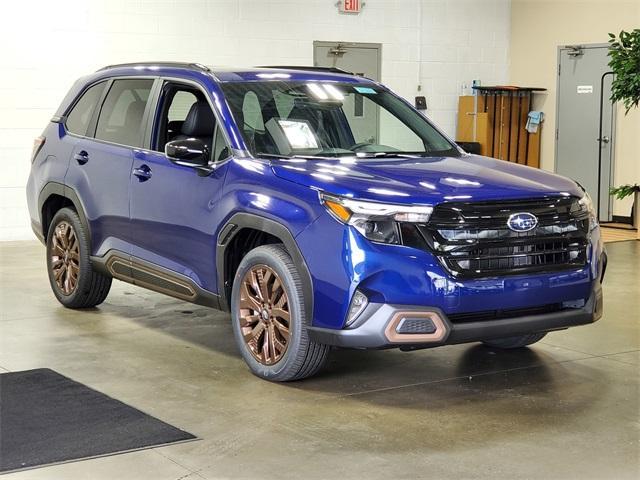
(120, 118)
(80, 115)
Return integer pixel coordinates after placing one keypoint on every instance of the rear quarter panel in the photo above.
(50, 165)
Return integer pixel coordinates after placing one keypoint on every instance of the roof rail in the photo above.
(308, 68)
(193, 66)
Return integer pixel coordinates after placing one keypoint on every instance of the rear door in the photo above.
(101, 162)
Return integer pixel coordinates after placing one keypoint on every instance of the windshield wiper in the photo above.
(362, 155)
(383, 155)
(272, 155)
(302, 157)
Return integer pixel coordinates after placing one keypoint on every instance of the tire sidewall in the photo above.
(262, 256)
(71, 217)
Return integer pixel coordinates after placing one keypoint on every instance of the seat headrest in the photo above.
(200, 120)
(133, 115)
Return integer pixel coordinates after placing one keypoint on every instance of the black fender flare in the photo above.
(247, 220)
(56, 188)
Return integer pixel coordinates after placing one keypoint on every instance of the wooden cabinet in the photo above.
(496, 119)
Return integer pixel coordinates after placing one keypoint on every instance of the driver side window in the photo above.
(184, 112)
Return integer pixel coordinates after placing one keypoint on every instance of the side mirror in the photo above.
(189, 152)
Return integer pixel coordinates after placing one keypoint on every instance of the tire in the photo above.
(73, 280)
(515, 342)
(273, 314)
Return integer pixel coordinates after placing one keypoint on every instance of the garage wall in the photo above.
(461, 41)
(47, 45)
(538, 28)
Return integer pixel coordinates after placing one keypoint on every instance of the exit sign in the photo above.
(350, 6)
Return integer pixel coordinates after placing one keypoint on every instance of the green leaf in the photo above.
(624, 61)
(624, 190)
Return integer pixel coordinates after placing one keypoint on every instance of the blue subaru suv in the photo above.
(317, 207)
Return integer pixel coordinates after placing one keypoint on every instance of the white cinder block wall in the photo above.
(434, 45)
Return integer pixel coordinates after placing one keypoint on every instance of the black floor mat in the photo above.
(48, 418)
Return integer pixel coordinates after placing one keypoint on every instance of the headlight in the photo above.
(586, 204)
(376, 221)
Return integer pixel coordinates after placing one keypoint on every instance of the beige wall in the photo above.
(538, 27)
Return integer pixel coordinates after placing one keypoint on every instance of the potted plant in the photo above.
(624, 191)
(624, 60)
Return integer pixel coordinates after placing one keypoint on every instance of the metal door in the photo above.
(585, 121)
(361, 59)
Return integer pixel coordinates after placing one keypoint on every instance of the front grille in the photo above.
(486, 315)
(473, 239)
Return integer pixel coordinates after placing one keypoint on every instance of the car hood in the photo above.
(424, 180)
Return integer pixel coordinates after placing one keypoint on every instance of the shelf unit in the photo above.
(496, 117)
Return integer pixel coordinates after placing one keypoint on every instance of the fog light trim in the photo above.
(359, 302)
(396, 322)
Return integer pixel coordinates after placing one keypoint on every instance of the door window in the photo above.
(220, 148)
(180, 105)
(121, 115)
(185, 113)
(80, 115)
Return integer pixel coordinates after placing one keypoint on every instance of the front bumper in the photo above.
(380, 324)
(399, 275)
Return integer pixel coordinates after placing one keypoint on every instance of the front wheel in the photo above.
(515, 342)
(269, 324)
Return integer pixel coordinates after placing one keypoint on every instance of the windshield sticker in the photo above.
(298, 133)
(365, 90)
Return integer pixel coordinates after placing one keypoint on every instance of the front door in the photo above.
(361, 59)
(173, 215)
(585, 121)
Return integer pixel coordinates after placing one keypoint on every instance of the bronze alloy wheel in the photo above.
(264, 317)
(65, 258)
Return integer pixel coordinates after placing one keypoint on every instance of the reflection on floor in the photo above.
(618, 234)
(565, 408)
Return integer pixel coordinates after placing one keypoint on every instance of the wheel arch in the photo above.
(52, 198)
(242, 226)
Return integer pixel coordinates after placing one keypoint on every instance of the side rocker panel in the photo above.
(153, 277)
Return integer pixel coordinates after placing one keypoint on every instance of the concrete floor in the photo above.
(566, 408)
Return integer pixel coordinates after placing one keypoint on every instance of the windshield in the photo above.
(330, 119)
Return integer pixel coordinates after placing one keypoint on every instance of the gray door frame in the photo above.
(373, 46)
(560, 49)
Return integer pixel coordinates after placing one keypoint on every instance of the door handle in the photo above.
(143, 173)
(81, 157)
(604, 139)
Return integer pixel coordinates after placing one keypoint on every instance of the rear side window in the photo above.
(120, 119)
(80, 115)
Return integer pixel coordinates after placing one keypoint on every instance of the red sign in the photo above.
(350, 6)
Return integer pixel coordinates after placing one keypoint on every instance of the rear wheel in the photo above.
(515, 342)
(73, 280)
(269, 323)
